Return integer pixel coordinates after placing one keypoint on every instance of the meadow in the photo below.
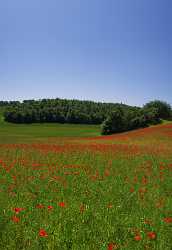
(66, 187)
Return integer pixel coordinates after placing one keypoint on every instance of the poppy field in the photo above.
(86, 192)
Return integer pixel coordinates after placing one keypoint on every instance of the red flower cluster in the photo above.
(15, 219)
(50, 207)
(62, 204)
(167, 220)
(39, 206)
(151, 235)
(42, 233)
(137, 237)
(112, 246)
(18, 210)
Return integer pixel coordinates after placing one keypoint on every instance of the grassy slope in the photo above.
(20, 133)
(25, 133)
(1, 115)
(110, 197)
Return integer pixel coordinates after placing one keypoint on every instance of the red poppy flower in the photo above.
(131, 190)
(112, 246)
(50, 207)
(168, 220)
(42, 233)
(15, 219)
(62, 204)
(151, 235)
(18, 209)
(144, 180)
(137, 237)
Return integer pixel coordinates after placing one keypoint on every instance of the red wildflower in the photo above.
(144, 180)
(112, 246)
(162, 167)
(168, 220)
(62, 204)
(131, 190)
(18, 209)
(14, 177)
(50, 207)
(39, 206)
(15, 219)
(142, 191)
(151, 235)
(107, 172)
(42, 233)
(137, 237)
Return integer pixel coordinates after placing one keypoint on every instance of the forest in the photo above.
(113, 117)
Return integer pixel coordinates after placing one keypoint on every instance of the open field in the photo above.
(20, 133)
(65, 187)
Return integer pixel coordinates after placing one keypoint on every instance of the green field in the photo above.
(20, 133)
(66, 187)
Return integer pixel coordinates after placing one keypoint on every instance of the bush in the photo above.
(138, 122)
(124, 120)
(114, 123)
(163, 109)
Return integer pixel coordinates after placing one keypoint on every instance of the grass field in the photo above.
(20, 133)
(66, 187)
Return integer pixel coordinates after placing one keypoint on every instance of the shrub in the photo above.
(163, 109)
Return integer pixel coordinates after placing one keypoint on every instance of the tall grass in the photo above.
(88, 193)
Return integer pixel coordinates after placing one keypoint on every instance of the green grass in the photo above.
(1, 115)
(112, 190)
(99, 205)
(20, 133)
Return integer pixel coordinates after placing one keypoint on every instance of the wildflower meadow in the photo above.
(87, 192)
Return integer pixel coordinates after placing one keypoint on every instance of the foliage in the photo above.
(163, 108)
(120, 121)
(127, 119)
(114, 123)
(114, 117)
(59, 110)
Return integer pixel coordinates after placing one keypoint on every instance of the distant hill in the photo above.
(60, 110)
(114, 117)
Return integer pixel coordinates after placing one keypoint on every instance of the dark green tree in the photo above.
(163, 108)
(114, 123)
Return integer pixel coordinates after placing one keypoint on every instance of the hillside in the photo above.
(113, 117)
(102, 193)
(60, 110)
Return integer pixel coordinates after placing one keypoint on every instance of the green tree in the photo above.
(163, 108)
(114, 123)
(152, 115)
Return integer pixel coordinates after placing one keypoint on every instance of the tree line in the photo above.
(60, 110)
(114, 117)
(121, 120)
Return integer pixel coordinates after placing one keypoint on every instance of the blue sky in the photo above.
(102, 50)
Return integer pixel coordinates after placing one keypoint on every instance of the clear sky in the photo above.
(102, 50)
